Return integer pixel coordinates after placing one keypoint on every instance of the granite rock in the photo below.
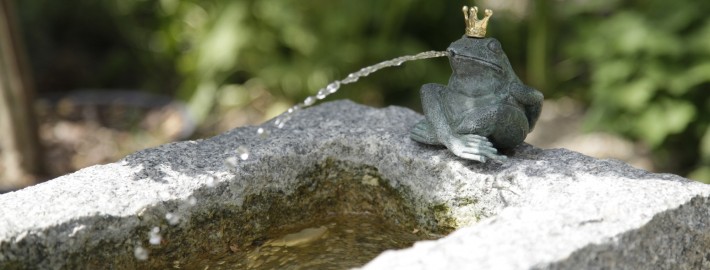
(540, 209)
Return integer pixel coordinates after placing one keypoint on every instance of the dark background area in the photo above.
(115, 76)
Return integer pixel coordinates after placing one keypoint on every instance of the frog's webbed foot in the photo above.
(467, 146)
(423, 132)
(474, 147)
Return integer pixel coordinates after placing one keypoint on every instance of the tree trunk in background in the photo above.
(19, 143)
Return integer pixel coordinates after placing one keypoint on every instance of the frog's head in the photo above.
(478, 57)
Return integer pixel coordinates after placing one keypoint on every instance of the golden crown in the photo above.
(474, 26)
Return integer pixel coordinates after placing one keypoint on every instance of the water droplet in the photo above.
(243, 152)
(192, 201)
(231, 162)
(164, 195)
(322, 93)
(211, 181)
(283, 121)
(365, 71)
(308, 102)
(140, 253)
(173, 219)
(352, 77)
(155, 237)
(333, 87)
(263, 133)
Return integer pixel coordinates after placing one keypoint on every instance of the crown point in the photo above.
(475, 27)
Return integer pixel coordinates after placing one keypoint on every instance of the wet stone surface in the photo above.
(338, 242)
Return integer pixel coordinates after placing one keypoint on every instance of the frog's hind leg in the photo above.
(515, 129)
(423, 132)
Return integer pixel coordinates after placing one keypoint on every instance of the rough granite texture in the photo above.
(540, 209)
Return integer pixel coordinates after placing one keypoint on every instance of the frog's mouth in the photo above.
(495, 66)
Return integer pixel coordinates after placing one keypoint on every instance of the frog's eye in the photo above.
(494, 46)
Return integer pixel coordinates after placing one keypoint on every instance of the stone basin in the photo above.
(195, 203)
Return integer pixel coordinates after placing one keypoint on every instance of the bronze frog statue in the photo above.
(485, 106)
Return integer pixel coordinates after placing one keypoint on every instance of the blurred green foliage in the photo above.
(641, 67)
(291, 48)
(648, 76)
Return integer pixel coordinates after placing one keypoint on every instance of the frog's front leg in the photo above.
(435, 130)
